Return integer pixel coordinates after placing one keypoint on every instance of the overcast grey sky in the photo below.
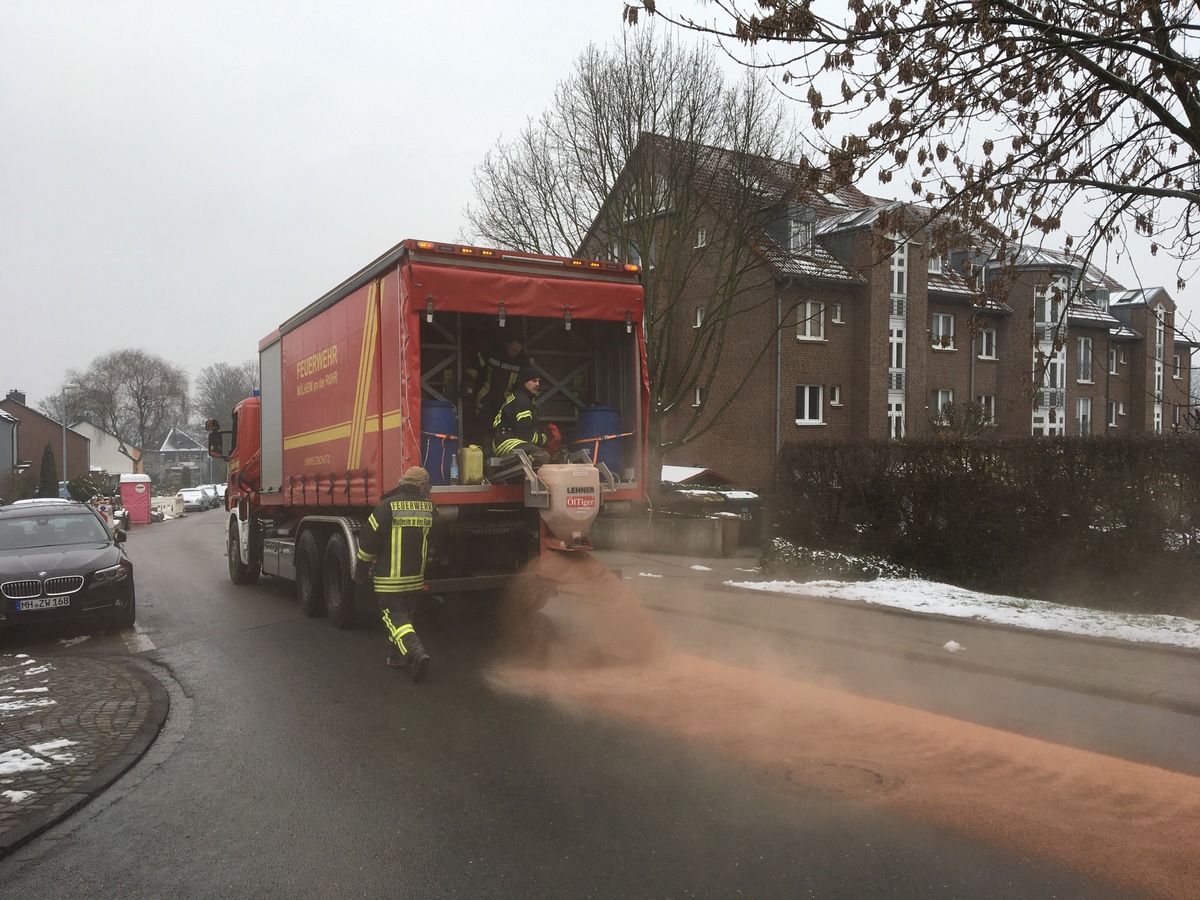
(183, 177)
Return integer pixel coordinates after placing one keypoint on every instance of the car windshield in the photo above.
(47, 530)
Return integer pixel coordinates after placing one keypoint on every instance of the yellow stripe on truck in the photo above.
(366, 363)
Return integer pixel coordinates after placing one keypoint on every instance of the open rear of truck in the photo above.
(365, 382)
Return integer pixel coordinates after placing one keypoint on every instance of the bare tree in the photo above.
(221, 386)
(1010, 113)
(643, 145)
(133, 394)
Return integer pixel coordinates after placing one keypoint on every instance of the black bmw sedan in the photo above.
(59, 560)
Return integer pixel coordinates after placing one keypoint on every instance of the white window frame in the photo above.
(987, 343)
(699, 317)
(935, 264)
(800, 235)
(701, 238)
(810, 321)
(835, 395)
(1112, 413)
(1178, 363)
(698, 398)
(899, 268)
(896, 426)
(988, 403)
(939, 400)
(837, 314)
(1083, 416)
(897, 346)
(813, 396)
(939, 337)
(1112, 362)
(1083, 365)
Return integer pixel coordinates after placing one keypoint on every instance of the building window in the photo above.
(938, 401)
(811, 323)
(835, 395)
(987, 408)
(1084, 345)
(896, 419)
(837, 315)
(1177, 363)
(943, 331)
(987, 344)
(896, 348)
(1122, 356)
(699, 396)
(1083, 416)
(1175, 415)
(935, 264)
(701, 238)
(1112, 413)
(800, 235)
(900, 268)
(1112, 362)
(1120, 408)
(699, 317)
(808, 404)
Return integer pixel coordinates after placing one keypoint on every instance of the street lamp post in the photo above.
(65, 388)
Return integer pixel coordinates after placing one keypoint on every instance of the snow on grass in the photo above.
(948, 600)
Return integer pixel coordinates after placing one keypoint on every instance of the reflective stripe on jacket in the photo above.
(516, 423)
(396, 539)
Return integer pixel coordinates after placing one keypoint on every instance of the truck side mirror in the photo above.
(216, 444)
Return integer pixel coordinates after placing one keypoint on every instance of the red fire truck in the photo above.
(363, 383)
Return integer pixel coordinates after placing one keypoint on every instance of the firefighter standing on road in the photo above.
(516, 424)
(396, 539)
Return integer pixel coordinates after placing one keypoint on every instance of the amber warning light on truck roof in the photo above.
(493, 254)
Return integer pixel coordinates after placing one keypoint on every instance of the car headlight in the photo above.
(119, 572)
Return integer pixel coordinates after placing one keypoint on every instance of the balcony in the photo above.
(899, 305)
(896, 380)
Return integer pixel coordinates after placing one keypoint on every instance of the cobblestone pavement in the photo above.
(69, 727)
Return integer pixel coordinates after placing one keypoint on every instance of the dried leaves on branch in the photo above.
(1000, 113)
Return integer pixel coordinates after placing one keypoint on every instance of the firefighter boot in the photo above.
(417, 659)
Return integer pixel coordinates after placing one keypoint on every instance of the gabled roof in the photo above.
(1140, 297)
(1083, 311)
(1124, 333)
(178, 441)
(1091, 277)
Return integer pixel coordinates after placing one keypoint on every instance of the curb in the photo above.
(160, 705)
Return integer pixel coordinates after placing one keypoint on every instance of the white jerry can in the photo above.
(574, 500)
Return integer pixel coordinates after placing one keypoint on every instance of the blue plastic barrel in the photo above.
(599, 432)
(439, 439)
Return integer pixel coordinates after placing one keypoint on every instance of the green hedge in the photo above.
(1112, 522)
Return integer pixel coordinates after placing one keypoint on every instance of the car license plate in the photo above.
(42, 603)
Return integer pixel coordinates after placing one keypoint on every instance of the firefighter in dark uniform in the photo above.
(395, 540)
(490, 377)
(516, 426)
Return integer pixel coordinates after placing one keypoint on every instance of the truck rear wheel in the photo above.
(239, 572)
(309, 582)
(339, 585)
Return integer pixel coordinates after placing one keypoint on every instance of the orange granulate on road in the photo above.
(1133, 825)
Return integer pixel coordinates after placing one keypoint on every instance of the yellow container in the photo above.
(470, 465)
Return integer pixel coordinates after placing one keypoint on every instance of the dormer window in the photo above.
(802, 226)
(800, 236)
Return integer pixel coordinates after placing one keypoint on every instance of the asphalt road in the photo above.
(788, 759)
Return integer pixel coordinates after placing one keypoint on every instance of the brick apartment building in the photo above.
(842, 333)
